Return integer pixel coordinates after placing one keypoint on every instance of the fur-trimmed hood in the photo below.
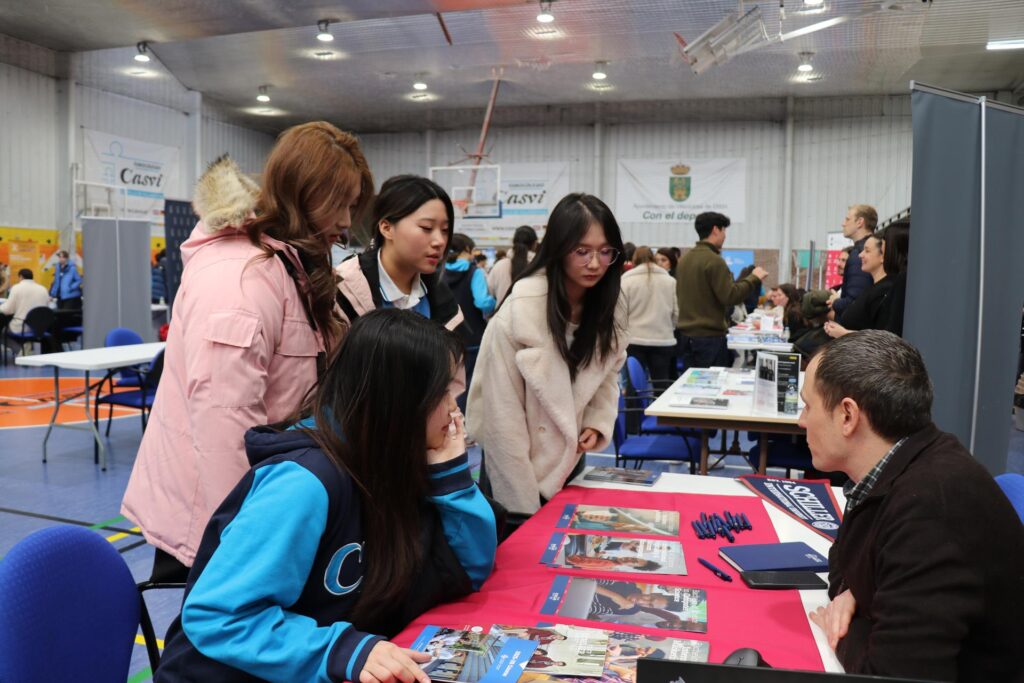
(224, 196)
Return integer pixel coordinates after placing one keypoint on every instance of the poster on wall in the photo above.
(147, 172)
(529, 191)
(676, 190)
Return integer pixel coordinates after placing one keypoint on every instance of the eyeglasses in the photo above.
(582, 256)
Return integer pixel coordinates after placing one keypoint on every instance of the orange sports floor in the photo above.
(28, 402)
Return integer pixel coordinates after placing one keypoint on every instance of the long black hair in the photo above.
(371, 409)
(400, 196)
(596, 336)
(523, 242)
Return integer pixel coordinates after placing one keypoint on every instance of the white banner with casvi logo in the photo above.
(676, 190)
(529, 191)
(148, 172)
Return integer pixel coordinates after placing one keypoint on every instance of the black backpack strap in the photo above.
(347, 307)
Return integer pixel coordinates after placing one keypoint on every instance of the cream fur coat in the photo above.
(524, 409)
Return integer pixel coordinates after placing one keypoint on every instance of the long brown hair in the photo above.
(312, 171)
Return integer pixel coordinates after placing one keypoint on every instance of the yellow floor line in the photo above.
(139, 640)
(117, 537)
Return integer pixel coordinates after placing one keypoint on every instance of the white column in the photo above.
(66, 161)
(785, 258)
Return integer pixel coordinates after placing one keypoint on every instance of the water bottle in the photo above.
(791, 403)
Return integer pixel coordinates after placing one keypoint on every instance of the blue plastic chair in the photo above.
(69, 609)
(122, 336)
(36, 328)
(639, 395)
(141, 399)
(1012, 485)
(642, 447)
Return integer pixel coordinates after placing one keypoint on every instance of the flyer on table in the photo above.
(624, 649)
(562, 650)
(626, 602)
(619, 520)
(459, 656)
(605, 553)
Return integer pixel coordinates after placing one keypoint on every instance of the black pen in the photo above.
(717, 572)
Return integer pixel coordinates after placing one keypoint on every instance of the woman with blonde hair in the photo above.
(653, 309)
(254, 320)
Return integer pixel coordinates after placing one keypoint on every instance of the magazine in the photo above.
(619, 475)
(562, 650)
(472, 657)
(625, 602)
(604, 553)
(701, 402)
(619, 520)
(623, 651)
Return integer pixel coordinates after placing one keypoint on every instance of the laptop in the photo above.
(665, 671)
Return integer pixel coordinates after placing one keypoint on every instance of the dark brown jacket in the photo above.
(934, 557)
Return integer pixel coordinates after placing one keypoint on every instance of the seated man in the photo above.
(927, 574)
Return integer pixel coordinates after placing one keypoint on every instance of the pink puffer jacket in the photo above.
(241, 352)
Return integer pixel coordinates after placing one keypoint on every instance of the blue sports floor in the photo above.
(70, 489)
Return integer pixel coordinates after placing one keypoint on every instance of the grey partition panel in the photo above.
(1003, 282)
(941, 316)
(179, 220)
(117, 278)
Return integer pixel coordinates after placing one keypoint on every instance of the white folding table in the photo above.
(107, 358)
(740, 415)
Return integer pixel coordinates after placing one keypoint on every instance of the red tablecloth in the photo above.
(772, 622)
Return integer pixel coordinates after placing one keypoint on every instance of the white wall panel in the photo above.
(849, 151)
(28, 149)
(249, 148)
(118, 115)
(759, 142)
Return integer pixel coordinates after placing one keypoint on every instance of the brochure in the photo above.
(619, 475)
(624, 649)
(619, 520)
(701, 377)
(472, 657)
(625, 602)
(604, 553)
(701, 402)
(562, 650)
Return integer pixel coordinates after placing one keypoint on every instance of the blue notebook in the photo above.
(774, 557)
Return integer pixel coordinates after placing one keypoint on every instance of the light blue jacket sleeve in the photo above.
(467, 518)
(482, 298)
(237, 611)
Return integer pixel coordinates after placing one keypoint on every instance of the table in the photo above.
(108, 358)
(515, 591)
(740, 415)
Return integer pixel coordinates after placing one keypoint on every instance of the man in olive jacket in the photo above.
(706, 292)
(927, 574)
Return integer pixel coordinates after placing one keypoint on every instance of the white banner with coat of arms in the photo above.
(674, 190)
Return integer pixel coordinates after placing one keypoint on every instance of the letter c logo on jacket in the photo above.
(332, 577)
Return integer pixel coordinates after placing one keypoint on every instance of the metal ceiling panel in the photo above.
(363, 79)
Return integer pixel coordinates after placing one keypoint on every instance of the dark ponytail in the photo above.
(523, 242)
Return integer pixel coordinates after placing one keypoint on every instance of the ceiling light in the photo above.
(805, 62)
(323, 35)
(420, 96)
(733, 35)
(599, 73)
(142, 56)
(1015, 44)
(814, 3)
(419, 85)
(545, 16)
(263, 96)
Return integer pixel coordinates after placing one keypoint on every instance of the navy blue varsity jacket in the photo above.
(279, 568)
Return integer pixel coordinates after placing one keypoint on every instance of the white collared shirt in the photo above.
(391, 293)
